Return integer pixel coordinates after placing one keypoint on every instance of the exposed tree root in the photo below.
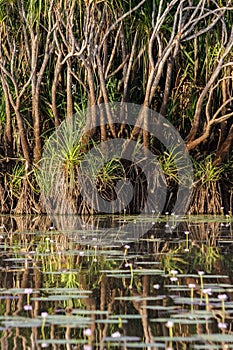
(206, 199)
(27, 202)
(3, 204)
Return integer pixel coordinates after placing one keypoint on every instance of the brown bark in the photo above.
(36, 83)
(8, 137)
(200, 103)
(57, 71)
(69, 97)
(224, 149)
(105, 95)
(22, 134)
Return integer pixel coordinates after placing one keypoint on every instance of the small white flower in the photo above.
(201, 273)
(87, 347)
(173, 279)
(169, 324)
(116, 335)
(186, 232)
(87, 332)
(27, 307)
(156, 286)
(127, 246)
(222, 297)
(174, 272)
(207, 291)
(222, 325)
(44, 314)
(192, 285)
(186, 249)
(28, 291)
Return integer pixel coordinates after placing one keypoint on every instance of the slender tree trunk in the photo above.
(8, 137)
(224, 149)
(22, 134)
(69, 96)
(57, 71)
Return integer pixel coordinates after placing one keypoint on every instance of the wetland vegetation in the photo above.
(60, 57)
(97, 282)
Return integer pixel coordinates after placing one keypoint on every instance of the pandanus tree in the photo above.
(62, 56)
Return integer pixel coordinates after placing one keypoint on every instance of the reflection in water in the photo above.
(67, 290)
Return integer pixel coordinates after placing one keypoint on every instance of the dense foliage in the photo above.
(59, 57)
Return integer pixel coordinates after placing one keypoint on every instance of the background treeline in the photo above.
(59, 57)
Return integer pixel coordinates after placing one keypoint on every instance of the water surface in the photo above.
(67, 289)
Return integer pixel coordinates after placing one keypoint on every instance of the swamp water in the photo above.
(165, 290)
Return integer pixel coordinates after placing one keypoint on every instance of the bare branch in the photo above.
(113, 51)
(212, 79)
(120, 19)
